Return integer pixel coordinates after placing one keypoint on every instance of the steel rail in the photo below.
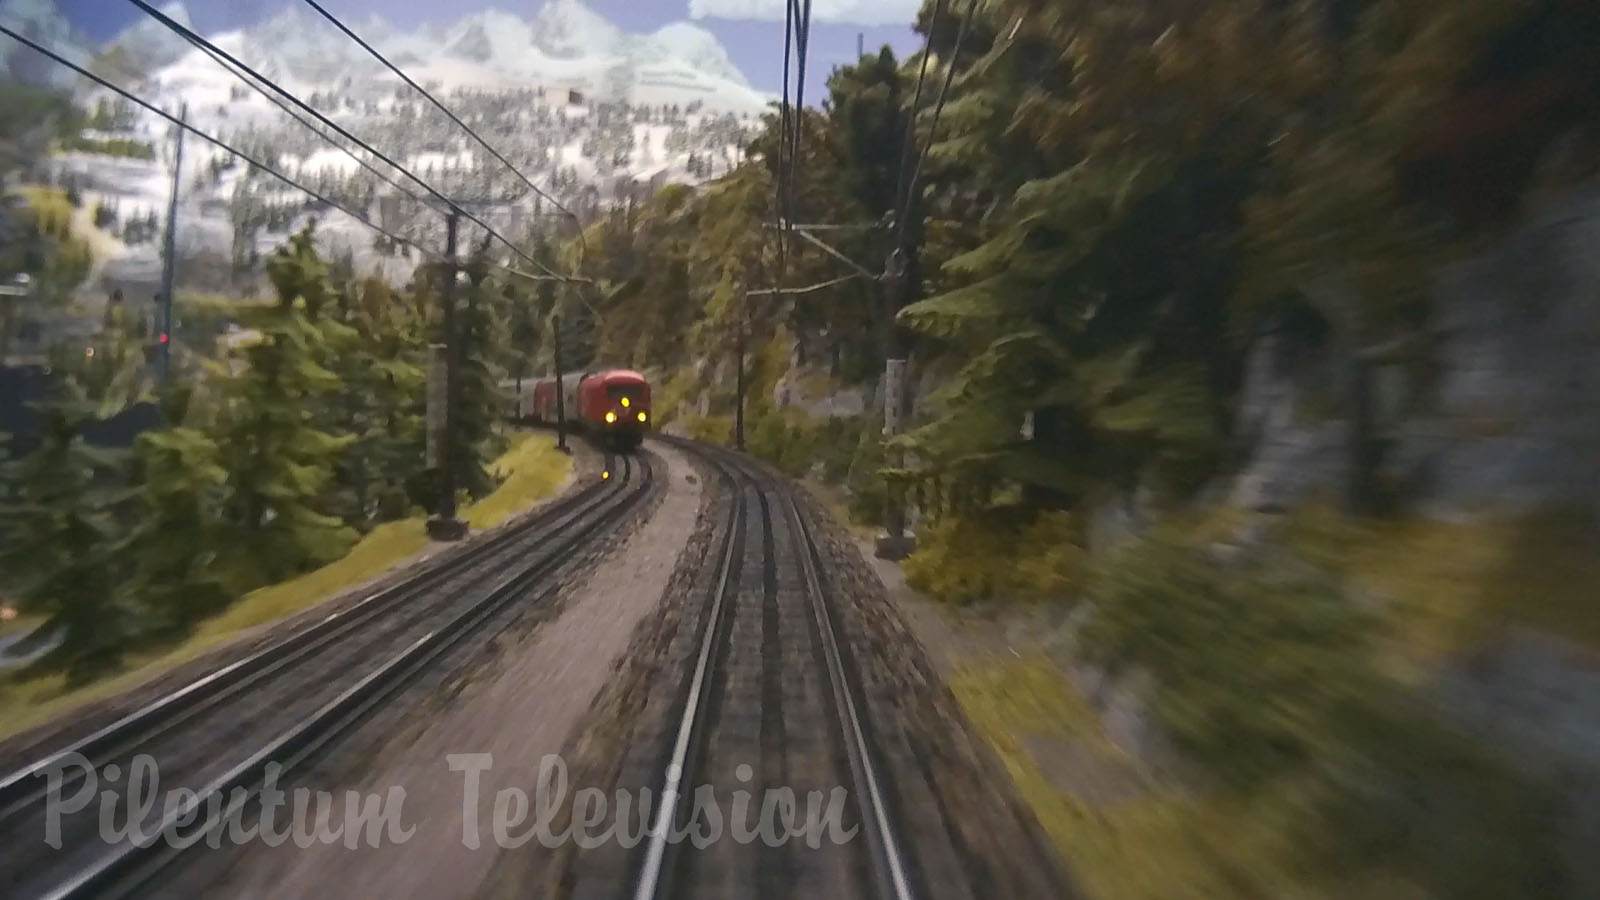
(890, 866)
(139, 862)
(16, 790)
(650, 883)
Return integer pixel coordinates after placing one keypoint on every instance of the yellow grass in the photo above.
(532, 469)
(1160, 842)
(1453, 585)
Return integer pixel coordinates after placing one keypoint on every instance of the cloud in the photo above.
(852, 12)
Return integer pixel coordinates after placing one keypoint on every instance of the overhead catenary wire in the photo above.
(808, 289)
(782, 173)
(933, 126)
(908, 140)
(188, 34)
(802, 47)
(215, 141)
(307, 124)
(441, 107)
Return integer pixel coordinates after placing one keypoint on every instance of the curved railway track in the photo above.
(771, 702)
(288, 701)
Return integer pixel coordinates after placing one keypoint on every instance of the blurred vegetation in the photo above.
(120, 147)
(278, 448)
(531, 470)
(1391, 806)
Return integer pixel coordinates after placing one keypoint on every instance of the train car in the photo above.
(611, 405)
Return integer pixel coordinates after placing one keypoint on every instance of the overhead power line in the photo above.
(194, 38)
(217, 142)
(782, 174)
(309, 125)
(441, 107)
(909, 139)
(808, 289)
(933, 127)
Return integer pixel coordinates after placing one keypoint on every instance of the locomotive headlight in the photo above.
(611, 418)
(642, 416)
(624, 402)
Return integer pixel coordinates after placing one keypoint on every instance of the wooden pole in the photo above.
(561, 400)
(445, 526)
(169, 253)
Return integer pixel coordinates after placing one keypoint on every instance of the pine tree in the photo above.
(63, 523)
(280, 464)
(176, 549)
(380, 402)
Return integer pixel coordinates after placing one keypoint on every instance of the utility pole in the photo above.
(444, 526)
(561, 399)
(894, 543)
(169, 252)
(738, 388)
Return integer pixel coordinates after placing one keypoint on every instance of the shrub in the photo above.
(993, 555)
(963, 559)
(1252, 668)
(864, 481)
(710, 429)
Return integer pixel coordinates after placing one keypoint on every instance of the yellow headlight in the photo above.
(605, 475)
(624, 402)
(641, 415)
(611, 417)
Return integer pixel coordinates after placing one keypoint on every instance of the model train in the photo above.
(611, 405)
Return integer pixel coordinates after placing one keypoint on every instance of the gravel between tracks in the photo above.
(958, 812)
(952, 787)
(520, 705)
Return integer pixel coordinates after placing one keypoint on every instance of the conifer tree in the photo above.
(63, 524)
(280, 462)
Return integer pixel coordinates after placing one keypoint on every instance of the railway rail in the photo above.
(290, 700)
(772, 689)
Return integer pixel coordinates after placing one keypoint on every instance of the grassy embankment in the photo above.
(532, 470)
(1312, 763)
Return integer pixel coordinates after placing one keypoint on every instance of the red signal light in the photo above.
(163, 338)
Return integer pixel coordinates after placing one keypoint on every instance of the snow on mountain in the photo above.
(299, 46)
(566, 29)
(513, 73)
(492, 36)
(41, 21)
(148, 44)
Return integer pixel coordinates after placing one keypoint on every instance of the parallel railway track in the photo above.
(771, 701)
(288, 701)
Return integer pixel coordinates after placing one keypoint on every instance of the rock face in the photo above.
(1518, 423)
(1291, 454)
(1507, 425)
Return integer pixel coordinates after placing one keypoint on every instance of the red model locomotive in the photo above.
(612, 405)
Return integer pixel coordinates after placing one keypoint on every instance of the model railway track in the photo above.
(772, 691)
(286, 702)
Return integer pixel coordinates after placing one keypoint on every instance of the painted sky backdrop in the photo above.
(751, 30)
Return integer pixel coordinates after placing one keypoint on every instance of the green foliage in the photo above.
(483, 332)
(120, 147)
(863, 481)
(63, 524)
(379, 404)
(280, 464)
(984, 555)
(710, 429)
(176, 549)
(1251, 668)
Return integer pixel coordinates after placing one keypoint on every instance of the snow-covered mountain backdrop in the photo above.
(591, 114)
